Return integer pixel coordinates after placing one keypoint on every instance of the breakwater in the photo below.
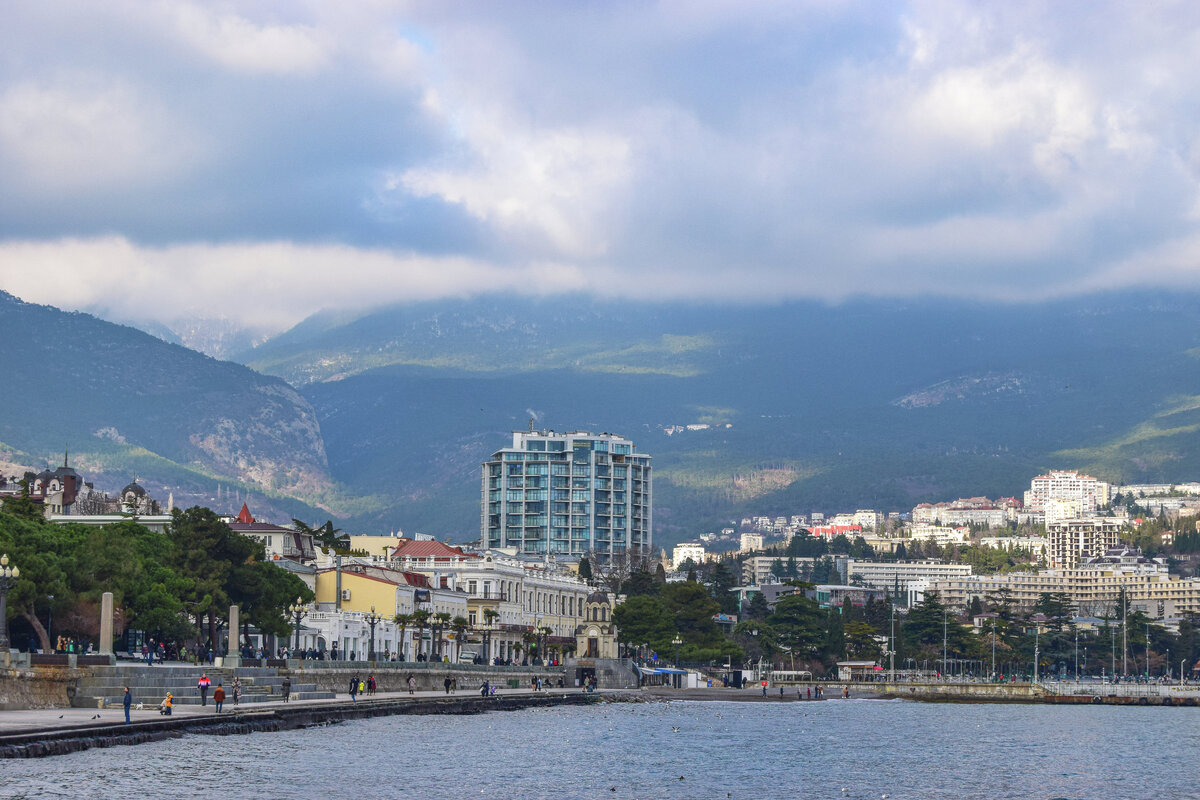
(60, 741)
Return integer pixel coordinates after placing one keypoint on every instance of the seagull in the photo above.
(60, 716)
(675, 729)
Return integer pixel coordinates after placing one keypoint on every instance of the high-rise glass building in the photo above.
(568, 494)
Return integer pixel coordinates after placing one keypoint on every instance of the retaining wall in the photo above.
(35, 744)
(44, 687)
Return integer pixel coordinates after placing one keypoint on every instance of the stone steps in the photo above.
(104, 686)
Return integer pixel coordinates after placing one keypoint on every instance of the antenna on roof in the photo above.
(531, 421)
(66, 450)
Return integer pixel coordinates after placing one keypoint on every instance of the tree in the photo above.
(799, 624)
(205, 551)
(756, 608)
(459, 625)
(420, 620)
(861, 642)
(723, 582)
(644, 619)
(585, 570)
(402, 622)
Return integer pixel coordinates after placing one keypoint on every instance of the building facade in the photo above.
(569, 494)
(1078, 495)
(1074, 541)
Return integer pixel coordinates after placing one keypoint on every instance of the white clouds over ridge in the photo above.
(1017, 150)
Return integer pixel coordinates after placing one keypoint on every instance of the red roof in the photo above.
(409, 548)
(244, 515)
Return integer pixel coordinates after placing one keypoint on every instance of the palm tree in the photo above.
(402, 622)
(443, 619)
(459, 625)
(489, 619)
(419, 620)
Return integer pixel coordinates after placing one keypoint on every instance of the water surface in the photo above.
(830, 749)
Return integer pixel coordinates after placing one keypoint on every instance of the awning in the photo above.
(669, 671)
(648, 671)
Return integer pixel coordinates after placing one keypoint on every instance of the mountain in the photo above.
(807, 406)
(127, 404)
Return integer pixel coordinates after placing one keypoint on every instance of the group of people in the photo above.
(367, 687)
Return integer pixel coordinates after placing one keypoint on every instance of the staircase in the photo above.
(104, 687)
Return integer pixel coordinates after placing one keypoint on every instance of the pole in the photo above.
(1037, 638)
(1124, 634)
(1077, 655)
(1147, 650)
(892, 649)
(993, 649)
(945, 618)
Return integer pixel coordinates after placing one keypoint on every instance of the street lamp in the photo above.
(298, 612)
(372, 620)
(677, 641)
(8, 576)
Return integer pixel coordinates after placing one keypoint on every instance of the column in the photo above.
(234, 659)
(106, 626)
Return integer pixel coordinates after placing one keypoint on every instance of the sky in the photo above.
(257, 162)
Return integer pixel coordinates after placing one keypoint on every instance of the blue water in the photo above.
(832, 749)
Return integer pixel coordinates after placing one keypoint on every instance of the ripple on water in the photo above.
(834, 749)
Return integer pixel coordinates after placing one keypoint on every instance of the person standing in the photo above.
(127, 702)
(237, 690)
(219, 696)
(354, 689)
(446, 683)
(202, 686)
(483, 689)
(412, 683)
(287, 688)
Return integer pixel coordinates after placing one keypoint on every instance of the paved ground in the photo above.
(50, 718)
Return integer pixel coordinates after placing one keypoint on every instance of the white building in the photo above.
(889, 574)
(750, 542)
(939, 535)
(1074, 541)
(1070, 485)
(687, 551)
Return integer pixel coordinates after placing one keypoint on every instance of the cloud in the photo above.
(265, 160)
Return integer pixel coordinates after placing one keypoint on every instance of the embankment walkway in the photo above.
(43, 732)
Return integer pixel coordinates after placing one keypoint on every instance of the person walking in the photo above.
(127, 702)
(219, 696)
(446, 683)
(237, 690)
(202, 687)
(412, 683)
(354, 689)
(166, 705)
(287, 689)
(371, 685)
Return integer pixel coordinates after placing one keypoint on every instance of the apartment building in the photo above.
(1095, 587)
(570, 494)
(890, 574)
(1074, 541)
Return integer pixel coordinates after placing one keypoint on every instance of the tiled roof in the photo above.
(426, 549)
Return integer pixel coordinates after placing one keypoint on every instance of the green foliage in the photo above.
(799, 623)
(158, 582)
(585, 569)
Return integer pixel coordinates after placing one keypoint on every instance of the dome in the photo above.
(597, 597)
(133, 487)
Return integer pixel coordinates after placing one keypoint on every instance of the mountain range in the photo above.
(382, 419)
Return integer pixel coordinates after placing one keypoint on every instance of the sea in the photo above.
(857, 748)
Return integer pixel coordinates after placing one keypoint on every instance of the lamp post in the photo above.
(372, 620)
(993, 648)
(8, 576)
(50, 622)
(677, 641)
(298, 612)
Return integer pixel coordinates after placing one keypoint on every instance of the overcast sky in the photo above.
(261, 161)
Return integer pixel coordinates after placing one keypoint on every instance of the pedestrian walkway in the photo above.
(24, 721)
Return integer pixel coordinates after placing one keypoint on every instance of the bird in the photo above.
(680, 777)
(675, 729)
(60, 716)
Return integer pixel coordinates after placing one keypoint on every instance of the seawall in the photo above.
(43, 687)
(60, 741)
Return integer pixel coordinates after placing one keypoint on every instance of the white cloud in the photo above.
(680, 149)
(240, 44)
(76, 133)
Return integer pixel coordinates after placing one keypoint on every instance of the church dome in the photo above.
(597, 597)
(135, 489)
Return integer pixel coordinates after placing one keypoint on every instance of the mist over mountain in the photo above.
(807, 406)
(773, 409)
